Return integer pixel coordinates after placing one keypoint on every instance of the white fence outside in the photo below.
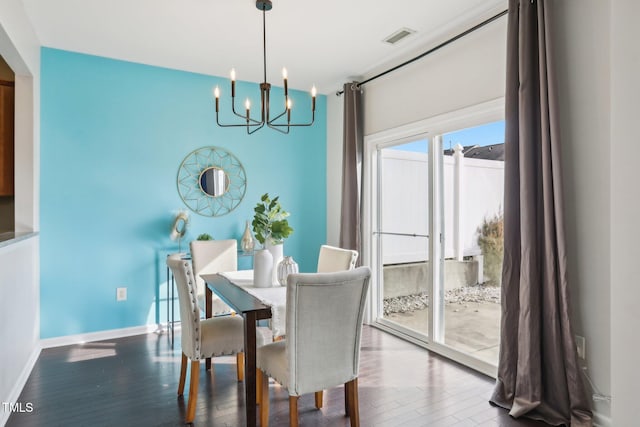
(473, 190)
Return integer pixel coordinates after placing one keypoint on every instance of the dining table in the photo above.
(254, 304)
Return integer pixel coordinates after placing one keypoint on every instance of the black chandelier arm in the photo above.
(278, 116)
(259, 124)
(273, 125)
(279, 130)
(237, 125)
(243, 116)
(249, 132)
(286, 109)
(269, 120)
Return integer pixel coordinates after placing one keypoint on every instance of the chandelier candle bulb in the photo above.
(233, 82)
(286, 86)
(216, 94)
(313, 98)
(247, 106)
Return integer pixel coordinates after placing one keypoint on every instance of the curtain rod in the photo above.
(441, 45)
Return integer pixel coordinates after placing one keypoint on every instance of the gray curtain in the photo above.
(538, 372)
(352, 149)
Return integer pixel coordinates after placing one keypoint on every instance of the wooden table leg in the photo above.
(250, 320)
(208, 312)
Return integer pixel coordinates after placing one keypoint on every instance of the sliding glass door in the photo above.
(436, 240)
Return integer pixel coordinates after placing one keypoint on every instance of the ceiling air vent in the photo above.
(401, 34)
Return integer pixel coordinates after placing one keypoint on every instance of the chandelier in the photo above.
(282, 121)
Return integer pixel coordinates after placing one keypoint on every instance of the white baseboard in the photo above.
(14, 394)
(97, 336)
(600, 420)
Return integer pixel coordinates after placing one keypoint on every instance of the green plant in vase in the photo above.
(270, 222)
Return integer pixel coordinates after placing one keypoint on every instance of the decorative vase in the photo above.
(262, 269)
(286, 267)
(248, 243)
(277, 251)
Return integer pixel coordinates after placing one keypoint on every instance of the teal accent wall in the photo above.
(113, 135)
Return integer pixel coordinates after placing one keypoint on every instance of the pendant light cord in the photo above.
(264, 43)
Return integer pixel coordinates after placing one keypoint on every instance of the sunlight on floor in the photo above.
(91, 351)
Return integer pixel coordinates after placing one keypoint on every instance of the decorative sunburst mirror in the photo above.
(211, 181)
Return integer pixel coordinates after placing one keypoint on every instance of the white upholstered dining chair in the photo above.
(322, 348)
(202, 338)
(210, 257)
(333, 259)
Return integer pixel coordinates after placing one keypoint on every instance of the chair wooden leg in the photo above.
(258, 386)
(293, 411)
(319, 396)
(193, 390)
(183, 374)
(240, 366)
(263, 392)
(354, 412)
(347, 396)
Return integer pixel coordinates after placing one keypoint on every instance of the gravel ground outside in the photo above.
(462, 295)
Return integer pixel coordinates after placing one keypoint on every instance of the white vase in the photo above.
(262, 269)
(277, 253)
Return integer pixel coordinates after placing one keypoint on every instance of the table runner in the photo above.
(275, 297)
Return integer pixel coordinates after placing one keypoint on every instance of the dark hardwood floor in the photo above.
(133, 381)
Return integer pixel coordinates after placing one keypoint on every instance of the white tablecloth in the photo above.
(275, 297)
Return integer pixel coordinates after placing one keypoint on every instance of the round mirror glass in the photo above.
(214, 181)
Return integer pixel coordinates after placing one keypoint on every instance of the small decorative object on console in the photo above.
(286, 267)
(248, 243)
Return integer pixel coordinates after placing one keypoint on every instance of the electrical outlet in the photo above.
(121, 294)
(581, 346)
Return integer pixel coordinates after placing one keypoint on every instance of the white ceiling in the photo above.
(321, 42)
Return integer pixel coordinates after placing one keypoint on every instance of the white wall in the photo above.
(625, 211)
(581, 31)
(19, 262)
(334, 167)
(464, 73)
(19, 317)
